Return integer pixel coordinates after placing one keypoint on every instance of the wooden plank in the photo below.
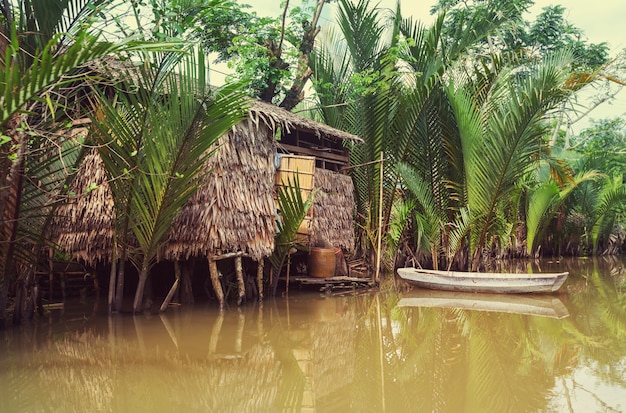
(343, 159)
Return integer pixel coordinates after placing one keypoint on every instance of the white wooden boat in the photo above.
(516, 283)
(544, 305)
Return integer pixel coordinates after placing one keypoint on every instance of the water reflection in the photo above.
(545, 305)
(351, 353)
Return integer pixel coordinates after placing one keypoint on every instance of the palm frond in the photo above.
(161, 146)
(611, 196)
(292, 209)
(544, 201)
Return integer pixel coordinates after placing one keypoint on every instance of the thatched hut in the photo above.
(232, 215)
(317, 153)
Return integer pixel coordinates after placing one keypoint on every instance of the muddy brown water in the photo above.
(401, 350)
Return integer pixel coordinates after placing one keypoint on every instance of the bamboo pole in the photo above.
(259, 278)
(380, 220)
(167, 300)
(241, 287)
(228, 255)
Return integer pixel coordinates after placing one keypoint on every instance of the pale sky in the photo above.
(600, 20)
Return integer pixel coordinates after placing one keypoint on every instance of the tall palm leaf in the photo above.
(431, 218)
(41, 42)
(611, 197)
(544, 201)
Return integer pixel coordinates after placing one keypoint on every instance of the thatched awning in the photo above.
(333, 209)
(234, 210)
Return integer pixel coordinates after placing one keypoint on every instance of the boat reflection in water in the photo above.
(536, 304)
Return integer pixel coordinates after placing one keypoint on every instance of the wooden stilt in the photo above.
(259, 278)
(167, 300)
(241, 288)
(287, 276)
(215, 280)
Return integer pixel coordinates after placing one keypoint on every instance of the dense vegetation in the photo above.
(469, 114)
(472, 116)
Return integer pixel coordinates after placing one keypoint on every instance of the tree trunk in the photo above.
(295, 94)
(20, 298)
(119, 290)
(241, 288)
(112, 283)
(215, 280)
(12, 171)
(259, 278)
(143, 276)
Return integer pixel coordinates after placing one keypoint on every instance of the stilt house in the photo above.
(233, 213)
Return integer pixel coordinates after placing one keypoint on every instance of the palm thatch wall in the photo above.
(333, 209)
(84, 226)
(234, 210)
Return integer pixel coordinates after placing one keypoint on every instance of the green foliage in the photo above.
(551, 32)
(603, 146)
(543, 203)
(46, 41)
(270, 54)
(502, 134)
(292, 210)
(608, 207)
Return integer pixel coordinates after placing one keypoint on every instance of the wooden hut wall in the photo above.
(333, 209)
(84, 226)
(234, 210)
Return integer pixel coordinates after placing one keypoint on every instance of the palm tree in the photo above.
(154, 140)
(501, 121)
(293, 209)
(607, 208)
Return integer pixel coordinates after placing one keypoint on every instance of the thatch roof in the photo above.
(333, 209)
(276, 116)
(234, 210)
